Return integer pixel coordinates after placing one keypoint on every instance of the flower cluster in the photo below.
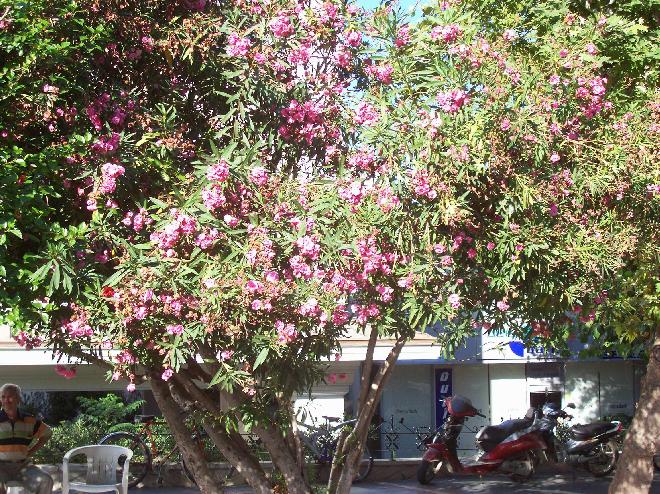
(448, 33)
(452, 101)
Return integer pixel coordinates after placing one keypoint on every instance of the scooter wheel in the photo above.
(530, 458)
(605, 462)
(426, 472)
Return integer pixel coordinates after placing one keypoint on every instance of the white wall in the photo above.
(616, 388)
(471, 381)
(44, 378)
(508, 392)
(600, 388)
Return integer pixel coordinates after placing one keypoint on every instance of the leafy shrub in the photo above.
(97, 417)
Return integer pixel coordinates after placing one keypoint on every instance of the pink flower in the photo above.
(554, 210)
(253, 286)
(66, 372)
(231, 221)
(563, 53)
(555, 157)
(502, 305)
(309, 247)
(406, 282)
(286, 333)
(237, 46)
(130, 388)
(454, 300)
(141, 313)
(353, 38)
(402, 37)
(554, 80)
(259, 176)
(213, 198)
(167, 374)
(506, 124)
(225, 355)
(281, 26)
(653, 189)
(490, 245)
(218, 172)
(591, 49)
(385, 293)
(340, 316)
(448, 33)
(472, 253)
(439, 249)
(174, 329)
(271, 276)
(112, 170)
(343, 57)
(310, 308)
(452, 101)
(300, 55)
(366, 114)
(260, 58)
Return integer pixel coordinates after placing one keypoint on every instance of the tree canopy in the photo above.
(207, 195)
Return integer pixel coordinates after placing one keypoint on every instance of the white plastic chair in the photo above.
(102, 467)
(14, 487)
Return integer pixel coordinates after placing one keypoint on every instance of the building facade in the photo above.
(501, 377)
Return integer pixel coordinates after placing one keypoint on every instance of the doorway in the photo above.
(537, 399)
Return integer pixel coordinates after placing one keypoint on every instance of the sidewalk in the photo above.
(581, 483)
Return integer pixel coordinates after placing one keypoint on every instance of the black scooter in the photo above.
(591, 445)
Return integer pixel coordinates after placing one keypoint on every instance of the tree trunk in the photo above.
(188, 447)
(351, 452)
(365, 384)
(236, 452)
(230, 444)
(283, 458)
(634, 472)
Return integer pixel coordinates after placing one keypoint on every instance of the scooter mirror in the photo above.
(570, 405)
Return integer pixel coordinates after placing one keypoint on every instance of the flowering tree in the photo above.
(221, 189)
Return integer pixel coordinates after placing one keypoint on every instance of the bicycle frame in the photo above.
(311, 438)
(146, 432)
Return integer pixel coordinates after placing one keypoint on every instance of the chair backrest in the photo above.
(103, 462)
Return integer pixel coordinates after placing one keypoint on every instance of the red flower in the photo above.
(107, 291)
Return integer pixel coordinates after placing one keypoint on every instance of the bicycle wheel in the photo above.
(365, 466)
(140, 464)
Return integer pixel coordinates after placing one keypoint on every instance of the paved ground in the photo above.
(555, 484)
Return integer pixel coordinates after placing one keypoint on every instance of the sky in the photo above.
(406, 4)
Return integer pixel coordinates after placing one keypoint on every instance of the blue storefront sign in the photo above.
(443, 389)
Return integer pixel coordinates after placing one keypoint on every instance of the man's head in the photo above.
(10, 397)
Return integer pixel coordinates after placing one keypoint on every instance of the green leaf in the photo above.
(263, 354)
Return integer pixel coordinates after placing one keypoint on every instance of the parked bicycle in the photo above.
(322, 440)
(146, 450)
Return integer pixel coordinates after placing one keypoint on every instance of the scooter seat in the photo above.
(495, 434)
(590, 430)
